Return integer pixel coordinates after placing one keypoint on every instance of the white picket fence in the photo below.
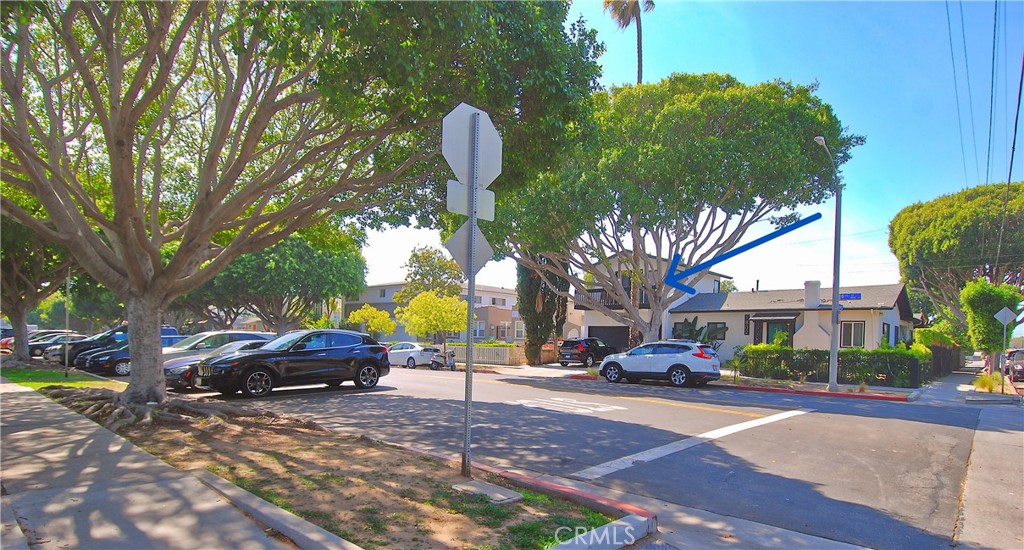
(491, 355)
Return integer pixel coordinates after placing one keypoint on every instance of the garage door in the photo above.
(613, 336)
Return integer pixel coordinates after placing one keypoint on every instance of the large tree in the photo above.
(31, 269)
(542, 309)
(626, 13)
(686, 166)
(283, 284)
(430, 270)
(429, 313)
(219, 128)
(944, 243)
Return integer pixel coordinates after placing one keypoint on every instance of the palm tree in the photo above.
(625, 12)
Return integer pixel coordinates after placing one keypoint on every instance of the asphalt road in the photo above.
(869, 473)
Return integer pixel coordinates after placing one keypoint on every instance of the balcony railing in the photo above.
(600, 296)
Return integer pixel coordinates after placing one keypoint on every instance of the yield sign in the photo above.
(458, 245)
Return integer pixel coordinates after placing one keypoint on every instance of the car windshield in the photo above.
(184, 344)
(285, 341)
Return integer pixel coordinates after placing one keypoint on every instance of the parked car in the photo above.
(204, 342)
(411, 354)
(115, 360)
(588, 351)
(298, 357)
(181, 373)
(107, 339)
(38, 348)
(7, 342)
(682, 363)
(1015, 364)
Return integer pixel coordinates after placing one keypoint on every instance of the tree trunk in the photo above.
(17, 316)
(146, 384)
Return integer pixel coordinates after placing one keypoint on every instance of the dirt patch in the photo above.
(367, 492)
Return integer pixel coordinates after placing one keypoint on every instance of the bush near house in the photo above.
(897, 367)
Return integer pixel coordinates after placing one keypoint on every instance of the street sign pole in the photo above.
(1005, 316)
(474, 147)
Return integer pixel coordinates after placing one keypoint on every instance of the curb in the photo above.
(635, 524)
(11, 535)
(872, 396)
(303, 533)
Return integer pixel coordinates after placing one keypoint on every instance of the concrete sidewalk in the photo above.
(992, 504)
(70, 483)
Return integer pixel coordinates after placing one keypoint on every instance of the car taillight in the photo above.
(701, 354)
(580, 348)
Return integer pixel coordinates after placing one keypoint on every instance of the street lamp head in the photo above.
(820, 140)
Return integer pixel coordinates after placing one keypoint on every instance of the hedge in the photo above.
(896, 367)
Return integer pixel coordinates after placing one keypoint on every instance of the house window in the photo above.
(886, 335)
(481, 329)
(503, 329)
(520, 330)
(383, 292)
(717, 286)
(716, 331)
(498, 302)
(852, 334)
(478, 299)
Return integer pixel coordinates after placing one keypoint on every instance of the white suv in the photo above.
(681, 362)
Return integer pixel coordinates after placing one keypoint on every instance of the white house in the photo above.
(869, 316)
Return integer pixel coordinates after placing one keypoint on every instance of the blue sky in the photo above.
(886, 69)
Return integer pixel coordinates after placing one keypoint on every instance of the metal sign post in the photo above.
(1005, 316)
(472, 147)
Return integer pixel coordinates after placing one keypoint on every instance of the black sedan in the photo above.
(181, 372)
(296, 358)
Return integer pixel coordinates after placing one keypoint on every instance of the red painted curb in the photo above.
(575, 494)
(548, 487)
(872, 396)
(583, 377)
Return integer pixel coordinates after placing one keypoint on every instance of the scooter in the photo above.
(439, 361)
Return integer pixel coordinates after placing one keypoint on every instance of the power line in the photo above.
(956, 92)
(992, 91)
(1013, 147)
(970, 95)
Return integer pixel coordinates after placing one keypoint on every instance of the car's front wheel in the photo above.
(36, 352)
(257, 382)
(367, 376)
(679, 376)
(410, 364)
(613, 373)
(123, 367)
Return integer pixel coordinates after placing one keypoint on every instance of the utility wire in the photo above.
(956, 91)
(970, 96)
(1013, 148)
(992, 92)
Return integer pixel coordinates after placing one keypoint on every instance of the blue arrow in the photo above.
(674, 279)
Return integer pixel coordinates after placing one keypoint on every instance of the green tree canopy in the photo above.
(430, 270)
(376, 321)
(944, 243)
(981, 301)
(31, 269)
(284, 283)
(685, 166)
(429, 313)
(223, 127)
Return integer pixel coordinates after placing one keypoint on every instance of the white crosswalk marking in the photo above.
(612, 466)
(566, 405)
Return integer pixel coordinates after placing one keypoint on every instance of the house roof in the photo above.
(872, 297)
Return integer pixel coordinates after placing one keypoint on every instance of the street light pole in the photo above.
(833, 355)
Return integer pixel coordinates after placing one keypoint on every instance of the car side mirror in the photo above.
(299, 347)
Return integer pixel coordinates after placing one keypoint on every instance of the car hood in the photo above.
(227, 358)
(182, 362)
(614, 356)
(175, 353)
